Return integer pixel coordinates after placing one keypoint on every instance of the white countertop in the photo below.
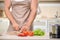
(28, 37)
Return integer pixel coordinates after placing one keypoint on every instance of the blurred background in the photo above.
(48, 8)
(48, 16)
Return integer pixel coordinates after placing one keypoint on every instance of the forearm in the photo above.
(8, 14)
(31, 18)
(7, 10)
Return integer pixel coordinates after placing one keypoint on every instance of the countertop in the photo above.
(13, 37)
(19, 37)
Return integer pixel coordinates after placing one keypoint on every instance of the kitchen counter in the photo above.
(17, 37)
(13, 37)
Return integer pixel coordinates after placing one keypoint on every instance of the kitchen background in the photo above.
(48, 14)
(48, 8)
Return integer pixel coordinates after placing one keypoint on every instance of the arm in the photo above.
(7, 11)
(26, 26)
(8, 14)
(34, 4)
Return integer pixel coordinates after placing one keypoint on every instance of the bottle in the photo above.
(1, 13)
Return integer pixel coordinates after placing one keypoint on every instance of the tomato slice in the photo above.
(21, 34)
(30, 33)
(25, 32)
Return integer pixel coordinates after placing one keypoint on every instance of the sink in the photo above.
(4, 24)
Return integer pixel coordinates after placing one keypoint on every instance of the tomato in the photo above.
(30, 33)
(25, 32)
(21, 34)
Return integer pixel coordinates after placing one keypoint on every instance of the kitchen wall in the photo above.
(49, 10)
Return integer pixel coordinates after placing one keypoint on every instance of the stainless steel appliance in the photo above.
(55, 31)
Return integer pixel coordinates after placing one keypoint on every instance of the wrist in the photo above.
(13, 22)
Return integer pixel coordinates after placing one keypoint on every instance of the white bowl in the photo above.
(4, 24)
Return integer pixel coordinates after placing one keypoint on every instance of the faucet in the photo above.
(56, 16)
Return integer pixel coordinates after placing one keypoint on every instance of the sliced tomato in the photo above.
(21, 34)
(25, 32)
(30, 33)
